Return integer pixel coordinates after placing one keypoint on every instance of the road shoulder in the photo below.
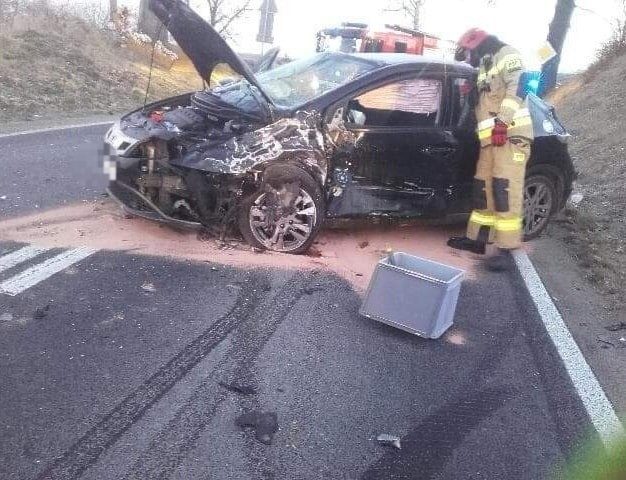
(587, 314)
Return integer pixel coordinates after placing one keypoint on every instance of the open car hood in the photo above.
(200, 41)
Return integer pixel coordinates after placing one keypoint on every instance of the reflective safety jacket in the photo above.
(498, 82)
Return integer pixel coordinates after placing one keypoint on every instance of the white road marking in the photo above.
(40, 272)
(54, 129)
(598, 406)
(12, 259)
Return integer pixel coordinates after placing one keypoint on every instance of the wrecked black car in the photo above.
(334, 136)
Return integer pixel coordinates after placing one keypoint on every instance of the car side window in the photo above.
(462, 102)
(406, 103)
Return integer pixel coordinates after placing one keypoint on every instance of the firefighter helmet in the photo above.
(472, 39)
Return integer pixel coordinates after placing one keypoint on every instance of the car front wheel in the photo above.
(285, 213)
(540, 204)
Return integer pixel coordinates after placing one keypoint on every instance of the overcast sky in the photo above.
(522, 23)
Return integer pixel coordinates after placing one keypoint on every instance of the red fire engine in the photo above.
(356, 37)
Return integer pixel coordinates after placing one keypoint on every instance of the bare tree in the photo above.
(224, 13)
(411, 9)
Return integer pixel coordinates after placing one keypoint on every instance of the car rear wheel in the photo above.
(285, 213)
(540, 204)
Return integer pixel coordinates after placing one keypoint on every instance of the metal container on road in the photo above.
(413, 294)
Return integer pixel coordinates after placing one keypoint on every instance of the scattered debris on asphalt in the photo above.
(314, 252)
(605, 344)
(148, 287)
(241, 389)
(6, 317)
(616, 327)
(41, 312)
(312, 290)
(265, 424)
(3, 197)
(364, 244)
(576, 199)
(389, 440)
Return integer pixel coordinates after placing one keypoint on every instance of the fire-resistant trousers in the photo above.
(498, 195)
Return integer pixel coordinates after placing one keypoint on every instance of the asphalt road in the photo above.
(114, 367)
(50, 169)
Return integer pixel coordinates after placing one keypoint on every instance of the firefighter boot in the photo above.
(501, 262)
(467, 244)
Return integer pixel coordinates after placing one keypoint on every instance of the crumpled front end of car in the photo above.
(185, 166)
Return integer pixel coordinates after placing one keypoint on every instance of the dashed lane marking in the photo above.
(42, 271)
(20, 256)
(598, 406)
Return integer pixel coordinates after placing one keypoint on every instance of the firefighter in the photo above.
(505, 133)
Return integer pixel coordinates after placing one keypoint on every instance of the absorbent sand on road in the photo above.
(351, 254)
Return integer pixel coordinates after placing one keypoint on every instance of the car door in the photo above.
(399, 163)
(461, 123)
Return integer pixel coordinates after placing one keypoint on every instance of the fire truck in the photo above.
(357, 37)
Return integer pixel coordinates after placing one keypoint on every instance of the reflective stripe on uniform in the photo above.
(511, 103)
(522, 112)
(521, 122)
(489, 123)
(496, 69)
(484, 134)
(482, 219)
(485, 128)
(509, 224)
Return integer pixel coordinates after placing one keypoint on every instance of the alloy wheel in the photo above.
(283, 228)
(538, 206)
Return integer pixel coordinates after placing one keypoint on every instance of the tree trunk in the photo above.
(416, 19)
(556, 36)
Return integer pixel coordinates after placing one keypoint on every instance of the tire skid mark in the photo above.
(169, 449)
(86, 451)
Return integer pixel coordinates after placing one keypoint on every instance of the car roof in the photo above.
(387, 59)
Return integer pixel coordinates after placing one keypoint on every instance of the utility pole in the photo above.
(266, 27)
(112, 10)
(149, 24)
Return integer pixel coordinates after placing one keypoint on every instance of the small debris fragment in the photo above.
(390, 440)
(314, 252)
(241, 389)
(148, 287)
(41, 312)
(265, 424)
(257, 250)
(3, 197)
(364, 244)
(616, 327)
(311, 290)
(605, 344)
(576, 199)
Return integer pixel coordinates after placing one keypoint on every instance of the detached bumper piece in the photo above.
(133, 202)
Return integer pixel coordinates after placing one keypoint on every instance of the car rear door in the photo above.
(400, 163)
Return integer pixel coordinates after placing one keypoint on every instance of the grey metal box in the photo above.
(413, 294)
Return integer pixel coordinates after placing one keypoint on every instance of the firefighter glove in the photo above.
(499, 134)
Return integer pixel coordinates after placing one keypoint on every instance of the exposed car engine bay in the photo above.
(193, 161)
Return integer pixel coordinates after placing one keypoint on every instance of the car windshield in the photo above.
(300, 81)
